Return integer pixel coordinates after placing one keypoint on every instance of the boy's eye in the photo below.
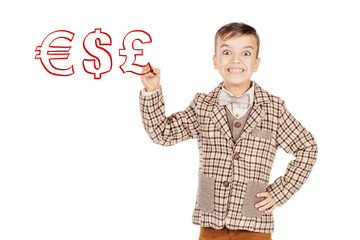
(247, 53)
(226, 52)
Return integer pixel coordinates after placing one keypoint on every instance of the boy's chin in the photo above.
(237, 81)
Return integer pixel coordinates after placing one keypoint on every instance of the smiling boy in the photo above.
(238, 126)
(236, 61)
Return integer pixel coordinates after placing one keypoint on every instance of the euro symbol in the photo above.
(46, 52)
(130, 52)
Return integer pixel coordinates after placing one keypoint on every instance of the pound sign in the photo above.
(46, 52)
(92, 45)
(130, 52)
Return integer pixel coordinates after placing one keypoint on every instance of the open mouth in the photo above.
(235, 70)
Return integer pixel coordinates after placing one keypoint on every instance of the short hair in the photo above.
(237, 29)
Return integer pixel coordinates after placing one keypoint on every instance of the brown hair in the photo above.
(237, 29)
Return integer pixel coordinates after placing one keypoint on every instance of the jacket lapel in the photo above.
(255, 116)
(219, 118)
(218, 113)
(257, 113)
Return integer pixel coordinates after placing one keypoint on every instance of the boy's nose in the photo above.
(236, 59)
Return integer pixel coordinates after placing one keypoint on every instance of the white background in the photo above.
(76, 162)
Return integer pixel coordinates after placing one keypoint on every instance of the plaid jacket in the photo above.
(230, 174)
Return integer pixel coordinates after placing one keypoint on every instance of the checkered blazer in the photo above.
(230, 174)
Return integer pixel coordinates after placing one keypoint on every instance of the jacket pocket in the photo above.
(261, 133)
(206, 194)
(250, 199)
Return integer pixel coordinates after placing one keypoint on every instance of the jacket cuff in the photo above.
(275, 193)
(151, 99)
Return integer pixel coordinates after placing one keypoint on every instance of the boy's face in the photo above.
(236, 59)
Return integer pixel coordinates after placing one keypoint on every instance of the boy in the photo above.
(239, 127)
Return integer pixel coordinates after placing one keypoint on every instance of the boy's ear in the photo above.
(257, 62)
(215, 63)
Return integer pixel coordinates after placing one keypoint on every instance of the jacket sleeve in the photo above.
(167, 131)
(294, 139)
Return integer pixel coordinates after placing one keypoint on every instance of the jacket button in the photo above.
(237, 124)
(237, 156)
(226, 183)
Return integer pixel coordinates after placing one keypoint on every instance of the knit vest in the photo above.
(236, 125)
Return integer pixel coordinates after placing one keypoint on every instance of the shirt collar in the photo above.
(250, 91)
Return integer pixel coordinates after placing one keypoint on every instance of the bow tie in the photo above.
(225, 99)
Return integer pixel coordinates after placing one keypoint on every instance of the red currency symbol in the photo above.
(92, 45)
(130, 52)
(46, 52)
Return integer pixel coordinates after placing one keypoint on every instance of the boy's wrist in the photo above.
(146, 92)
(151, 90)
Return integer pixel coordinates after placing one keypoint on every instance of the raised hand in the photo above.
(151, 80)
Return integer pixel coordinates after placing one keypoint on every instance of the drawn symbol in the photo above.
(130, 53)
(46, 52)
(92, 45)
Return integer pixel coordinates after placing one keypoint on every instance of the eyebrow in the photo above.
(225, 45)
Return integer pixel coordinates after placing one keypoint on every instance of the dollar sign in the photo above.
(130, 53)
(92, 45)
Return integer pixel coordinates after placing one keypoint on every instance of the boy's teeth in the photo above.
(235, 70)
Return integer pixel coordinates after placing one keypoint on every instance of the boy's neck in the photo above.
(237, 89)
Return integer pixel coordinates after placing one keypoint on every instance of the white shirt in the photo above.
(144, 93)
(235, 108)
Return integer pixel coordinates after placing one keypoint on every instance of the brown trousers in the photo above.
(207, 233)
